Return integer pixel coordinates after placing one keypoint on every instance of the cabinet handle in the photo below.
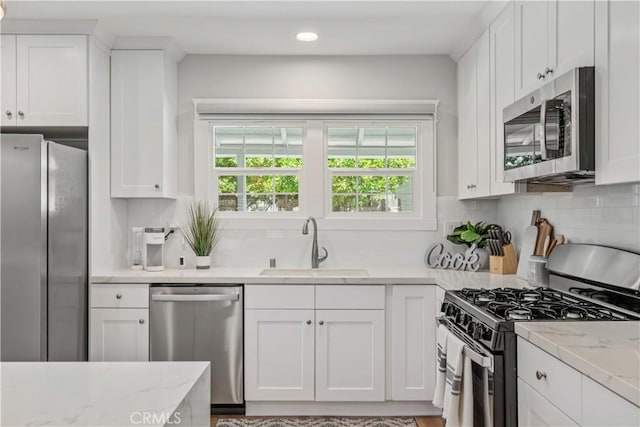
(308, 322)
(321, 322)
(141, 321)
(21, 114)
(470, 186)
(157, 186)
(548, 71)
(540, 375)
(9, 114)
(118, 296)
(540, 76)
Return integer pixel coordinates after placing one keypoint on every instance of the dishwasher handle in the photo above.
(197, 298)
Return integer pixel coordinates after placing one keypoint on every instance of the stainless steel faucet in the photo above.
(315, 258)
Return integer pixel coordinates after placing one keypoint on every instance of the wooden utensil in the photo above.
(528, 245)
(544, 229)
(545, 246)
(552, 245)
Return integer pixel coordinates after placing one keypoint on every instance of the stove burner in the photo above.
(535, 304)
(519, 313)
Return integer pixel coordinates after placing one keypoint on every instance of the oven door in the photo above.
(488, 379)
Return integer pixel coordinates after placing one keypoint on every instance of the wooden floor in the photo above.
(420, 421)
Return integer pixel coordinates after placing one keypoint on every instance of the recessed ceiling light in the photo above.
(307, 37)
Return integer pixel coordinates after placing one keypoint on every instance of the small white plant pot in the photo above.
(203, 262)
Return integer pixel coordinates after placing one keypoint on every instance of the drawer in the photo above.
(344, 297)
(266, 297)
(558, 382)
(119, 296)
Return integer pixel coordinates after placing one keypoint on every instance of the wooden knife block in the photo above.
(507, 264)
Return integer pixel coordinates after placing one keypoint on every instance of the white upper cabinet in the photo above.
(551, 38)
(502, 87)
(474, 121)
(532, 40)
(8, 88)
(143, 124)
(44, 80)
(617, 87)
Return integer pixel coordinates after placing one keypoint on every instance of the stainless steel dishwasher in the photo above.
(202, 323)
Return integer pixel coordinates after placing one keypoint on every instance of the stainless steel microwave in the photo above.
(549, 134)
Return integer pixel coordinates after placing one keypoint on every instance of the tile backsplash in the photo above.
(366, 249)
(607, 215)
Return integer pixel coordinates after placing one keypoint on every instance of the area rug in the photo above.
(317, 422)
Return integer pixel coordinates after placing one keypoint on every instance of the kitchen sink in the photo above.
(315, 272)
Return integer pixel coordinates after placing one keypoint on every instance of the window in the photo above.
(358, 164)
(372, 167)
(258, 166)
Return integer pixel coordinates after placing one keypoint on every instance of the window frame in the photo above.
(257, 171)
(314, 193)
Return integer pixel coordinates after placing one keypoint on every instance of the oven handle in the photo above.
(477, 357)
(543, 134)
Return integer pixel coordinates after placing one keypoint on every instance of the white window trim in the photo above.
(313, 191)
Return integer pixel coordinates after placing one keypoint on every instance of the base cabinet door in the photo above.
(119, 334)
(602, 407)
(350, 355)
(535, 411)
(279, 355)
(413, 337)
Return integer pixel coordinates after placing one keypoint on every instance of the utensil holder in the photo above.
(507, 264)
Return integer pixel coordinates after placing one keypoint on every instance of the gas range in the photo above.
(586, 283)
(482, 314)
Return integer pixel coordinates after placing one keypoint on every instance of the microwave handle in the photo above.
(543, 134)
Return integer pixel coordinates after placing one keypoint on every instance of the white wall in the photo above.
(608, 215)
(348, 77)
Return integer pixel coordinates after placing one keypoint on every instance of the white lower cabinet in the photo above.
(536, 411)
(413, 336)
(601, 407)
(119, 334)
(279, 355)
(350, 355)
(552, 393)
(332, 354)
(118, 322)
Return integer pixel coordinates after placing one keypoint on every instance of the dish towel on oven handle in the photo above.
(441, 362)
(457, 399)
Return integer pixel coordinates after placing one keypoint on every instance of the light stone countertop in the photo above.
(607, 352)
(446, 279)
(104, 393)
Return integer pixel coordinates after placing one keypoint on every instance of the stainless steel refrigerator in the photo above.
(43, 288)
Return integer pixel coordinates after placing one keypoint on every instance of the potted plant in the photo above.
(478, 233)
(202, 232)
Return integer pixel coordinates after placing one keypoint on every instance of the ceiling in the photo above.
(269, 27)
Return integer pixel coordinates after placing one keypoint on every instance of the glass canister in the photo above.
(136, 237)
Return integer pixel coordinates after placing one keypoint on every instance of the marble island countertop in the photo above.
(446, 279)
(607, 352)
(104, 393)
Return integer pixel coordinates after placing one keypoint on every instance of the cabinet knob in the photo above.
(540, 76)
(9, 114)
(308, 322)
(21, 114)
(540, 375)
(548, 71)
(157, 186)
(141, 321)
(321, 322)
(118, 296)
